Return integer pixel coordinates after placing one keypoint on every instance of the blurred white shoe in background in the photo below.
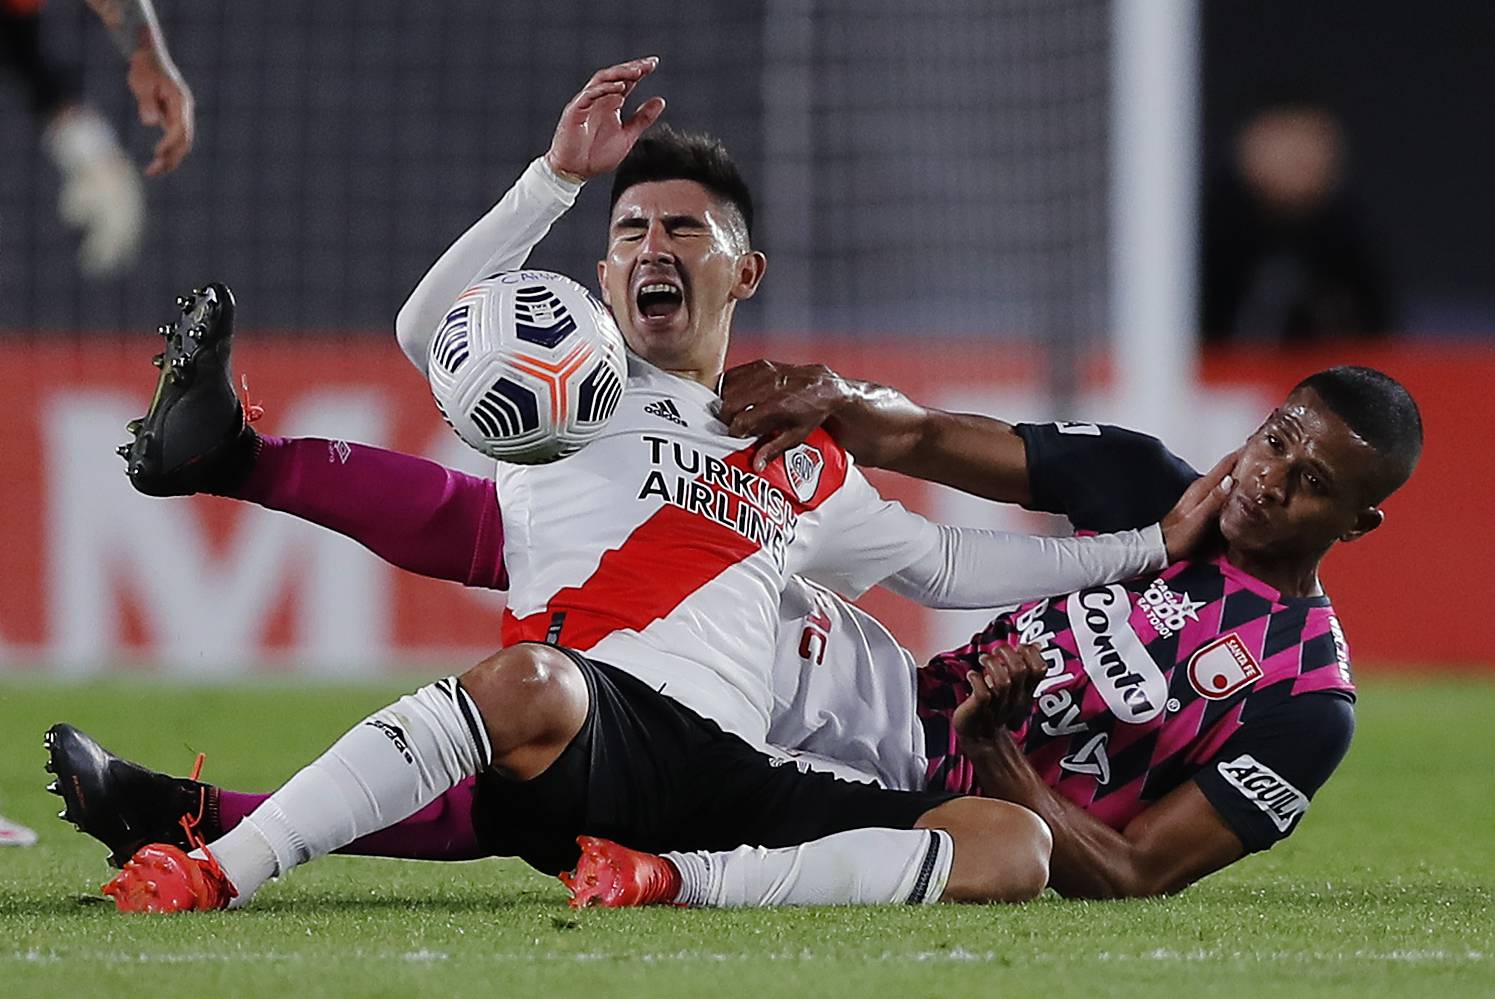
(15, 834)
(102, 193)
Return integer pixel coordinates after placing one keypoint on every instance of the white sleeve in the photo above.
(971, 567)
(501, 240)
(866, 538)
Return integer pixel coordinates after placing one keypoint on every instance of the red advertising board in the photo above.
(94, 577)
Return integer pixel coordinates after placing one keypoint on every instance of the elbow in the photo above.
(1113, 886)
(413, 340)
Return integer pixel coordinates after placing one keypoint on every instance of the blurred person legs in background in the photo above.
(101, 193)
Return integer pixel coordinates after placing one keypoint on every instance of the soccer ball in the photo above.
(527, 366)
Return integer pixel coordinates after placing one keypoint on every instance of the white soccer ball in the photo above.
(527, 366)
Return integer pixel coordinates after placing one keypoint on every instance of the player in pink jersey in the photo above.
(1166, 726)
(624, 552)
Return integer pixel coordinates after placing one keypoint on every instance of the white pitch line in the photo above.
(954, 955)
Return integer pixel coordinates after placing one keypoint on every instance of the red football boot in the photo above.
(162, 878)
(614, 877)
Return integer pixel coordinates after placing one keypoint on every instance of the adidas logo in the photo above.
(665, 408)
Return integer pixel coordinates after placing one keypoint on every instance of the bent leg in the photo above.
(857, 867)
(515, 711)
(1001, 850)
(964, 850)
(844, 843)
(533, 701)
(442, 830)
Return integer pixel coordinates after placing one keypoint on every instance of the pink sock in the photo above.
(440, 831)
(411, 512)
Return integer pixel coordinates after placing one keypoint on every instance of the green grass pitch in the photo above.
(1385, 891)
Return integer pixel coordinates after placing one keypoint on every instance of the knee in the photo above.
(1031, 845)
(527, 693)
(1002, 850)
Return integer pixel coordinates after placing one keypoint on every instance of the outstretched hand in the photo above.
(1195, 516)
(592, 138)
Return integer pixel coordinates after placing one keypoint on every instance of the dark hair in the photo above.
(1381, 412)
(665, 154)
(1288, 95)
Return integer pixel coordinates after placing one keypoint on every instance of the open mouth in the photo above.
(1250, 510)
(659, 299)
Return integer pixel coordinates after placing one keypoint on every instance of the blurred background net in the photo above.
(939, 173)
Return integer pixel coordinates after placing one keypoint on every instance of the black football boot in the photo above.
(122, 804)
(193, 438)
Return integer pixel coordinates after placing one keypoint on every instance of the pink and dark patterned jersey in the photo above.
(1200, 672)
(1148, 681)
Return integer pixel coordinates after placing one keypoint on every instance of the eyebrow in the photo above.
(681, 221)
(1284, 421)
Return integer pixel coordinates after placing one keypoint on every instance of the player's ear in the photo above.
(602, 282)
(1366, 520)
(750, 268)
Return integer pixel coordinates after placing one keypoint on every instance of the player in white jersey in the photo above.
(844, 692)
(659, 547)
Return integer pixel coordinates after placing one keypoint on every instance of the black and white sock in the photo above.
(387, 767)
(858, 867)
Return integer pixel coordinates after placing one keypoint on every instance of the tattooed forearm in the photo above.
(131, 23)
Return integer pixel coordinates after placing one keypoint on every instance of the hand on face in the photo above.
(592, 137)
(1194, 518)
(1001, 692)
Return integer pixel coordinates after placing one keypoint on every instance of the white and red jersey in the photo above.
(659, 550)
(844, 692)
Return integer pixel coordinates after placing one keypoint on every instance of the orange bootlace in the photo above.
(190, 822)
(252, 410)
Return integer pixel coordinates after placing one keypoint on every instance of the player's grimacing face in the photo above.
(1300, 483)
(673, 270)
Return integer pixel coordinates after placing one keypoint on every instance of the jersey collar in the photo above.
(1273, 594)
(683, 387)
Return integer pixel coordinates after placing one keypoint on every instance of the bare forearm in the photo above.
(883, 428)
(131, 23)
(1090, 860)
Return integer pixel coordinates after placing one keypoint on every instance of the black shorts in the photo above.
(650, 773)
